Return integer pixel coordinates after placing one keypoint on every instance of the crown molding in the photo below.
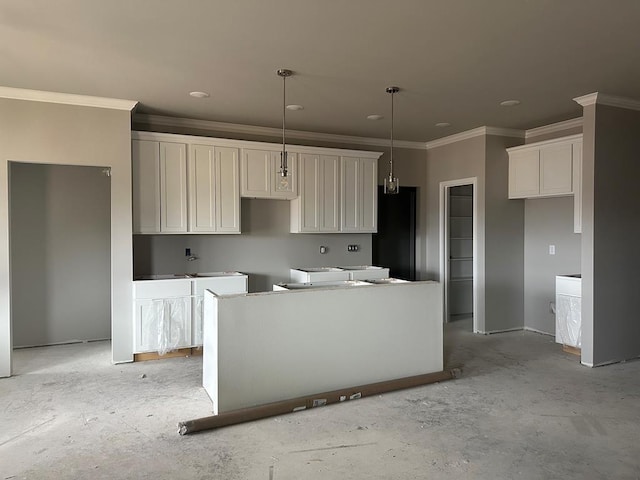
(554, 127)
(66, 98)
(610, 100)
(209, 125)
(476, 132)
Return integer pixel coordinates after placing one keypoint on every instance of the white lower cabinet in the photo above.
(168, 312)
(162, 315)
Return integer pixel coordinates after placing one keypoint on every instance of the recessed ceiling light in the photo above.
(295, 107)
(374, 117)
(510, 103)
(443, 124)
(199, 94)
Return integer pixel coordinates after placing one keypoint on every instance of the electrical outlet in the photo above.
(552, 249)
(187, 252)
(323, 249)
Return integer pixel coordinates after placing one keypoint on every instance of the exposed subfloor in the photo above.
(522, 409)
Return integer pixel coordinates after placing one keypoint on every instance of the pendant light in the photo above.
(284, 73)
(391, 185)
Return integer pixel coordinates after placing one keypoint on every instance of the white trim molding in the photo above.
(226, 142)
(208, 125)
(476, 132)
(610, 100)
(67, 98)
(554, 127)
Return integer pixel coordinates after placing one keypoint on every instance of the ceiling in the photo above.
(454, 60)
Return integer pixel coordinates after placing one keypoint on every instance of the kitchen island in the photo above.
(265, 347)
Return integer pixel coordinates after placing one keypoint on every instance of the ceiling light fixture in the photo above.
(199, 94)
(391, 184)
(374, 117)
(295, 108)
(510, 103)
(284, 73)
(443, 124)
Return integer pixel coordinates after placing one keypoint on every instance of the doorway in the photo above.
(394, 246)
(458, 250)
(60, 233)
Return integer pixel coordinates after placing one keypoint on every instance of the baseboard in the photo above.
(535, 330)
(491, 332)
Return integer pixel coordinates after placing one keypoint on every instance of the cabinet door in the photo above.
(329, 193)
(145, 156)
(173, 187)
(524, 174)
(309, 202)
(162, 325)
(555, 170)
(227, 190)
(369, 195)
(255, 173)
(202, 189)
(351, 194)
(284, 187)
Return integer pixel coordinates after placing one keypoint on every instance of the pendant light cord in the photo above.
(283, 155)
(391, 157)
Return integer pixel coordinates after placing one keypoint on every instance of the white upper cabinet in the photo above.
(145, 156)
(261, 175)
(185, 188)
(543, 169)
(359, 195)
(524, 174)
(202, 188)
(555, 170)
(173, 187)
(189, 184)
(317, 208)
(227, 181)
(214, 199)
(159, 171)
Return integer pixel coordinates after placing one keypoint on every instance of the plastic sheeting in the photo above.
(569, 320)
(170, 317)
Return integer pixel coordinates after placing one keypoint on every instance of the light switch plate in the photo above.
(552, 249)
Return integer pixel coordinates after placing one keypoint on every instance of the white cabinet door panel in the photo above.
(228, 190)
(173, 187)
(555, 170)
(145, 155)
(351, 194)
(202, 191)
(329, 189)
(524, 174)
(255, 167)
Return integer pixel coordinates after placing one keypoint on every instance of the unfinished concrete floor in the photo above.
(522, 409)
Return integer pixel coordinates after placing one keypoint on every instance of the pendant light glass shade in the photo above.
(391, 184)
(284, 73)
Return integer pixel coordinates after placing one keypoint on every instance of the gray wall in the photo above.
(265, 250)
(616, 229)
(548, 221)
(500, 226)
(504, 241)
(50, 133)
(60, 253)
